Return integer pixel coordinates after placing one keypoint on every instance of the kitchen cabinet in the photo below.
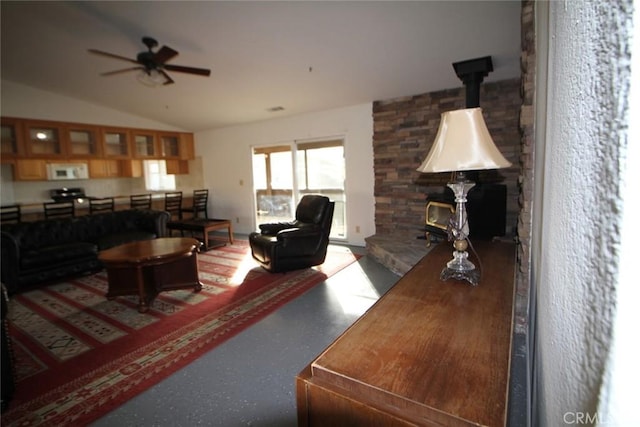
(11, 142)
(131, 168)
(170, 145)
(145, 145)
(177, 167)
(116, 143)
(110, 151)
(187, 148)
(82, 140)
(176, 145)
(30, 170)
(43, 139)
(104, 168)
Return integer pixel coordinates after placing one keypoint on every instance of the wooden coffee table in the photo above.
(203, 226)
(147, 267)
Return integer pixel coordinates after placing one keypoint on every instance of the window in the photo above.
(155, 176)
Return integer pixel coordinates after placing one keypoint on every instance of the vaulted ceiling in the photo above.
(302, 56)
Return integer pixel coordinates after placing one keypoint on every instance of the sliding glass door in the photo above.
(319, 169)
(273, 184)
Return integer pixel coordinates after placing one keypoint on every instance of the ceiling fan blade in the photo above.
(111, 55)
(190, 70)
(124, 70)
(164, 54)
(166, 76)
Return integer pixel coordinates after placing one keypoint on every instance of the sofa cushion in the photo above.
(57, 254)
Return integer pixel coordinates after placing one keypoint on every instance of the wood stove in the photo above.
(486, 211)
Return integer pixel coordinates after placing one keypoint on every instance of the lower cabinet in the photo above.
(104, 168)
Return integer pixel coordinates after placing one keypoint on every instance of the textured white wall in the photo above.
(228, 154)
(578, 254)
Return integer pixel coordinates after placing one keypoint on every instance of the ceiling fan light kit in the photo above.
(152, 65)
(152, 78)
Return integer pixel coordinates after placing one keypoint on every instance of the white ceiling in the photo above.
(304, 56)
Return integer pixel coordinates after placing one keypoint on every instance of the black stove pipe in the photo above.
(472, 72)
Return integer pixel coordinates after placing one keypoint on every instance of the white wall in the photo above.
(28, 102)
(580, 162)
(227, 171)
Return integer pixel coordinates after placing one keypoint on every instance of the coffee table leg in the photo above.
(230, 228)
(205, 238)
(143, 307)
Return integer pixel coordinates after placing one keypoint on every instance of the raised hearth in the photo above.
(397, 254)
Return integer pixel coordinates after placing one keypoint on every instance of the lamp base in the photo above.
(460, 268)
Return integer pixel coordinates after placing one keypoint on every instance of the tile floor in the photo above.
(249, 379)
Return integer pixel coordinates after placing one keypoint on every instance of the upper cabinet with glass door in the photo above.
(170, 144)
(177, 145)
(115, 143)
(11, 143)
(82, 140)
(43, 139)
(145, 145)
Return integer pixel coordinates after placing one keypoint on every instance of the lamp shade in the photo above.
(463, 143)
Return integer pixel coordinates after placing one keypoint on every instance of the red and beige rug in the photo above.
(79, 356)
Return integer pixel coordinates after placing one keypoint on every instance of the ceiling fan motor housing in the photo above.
(146, 59)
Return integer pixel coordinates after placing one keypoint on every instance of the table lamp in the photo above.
(463, 143)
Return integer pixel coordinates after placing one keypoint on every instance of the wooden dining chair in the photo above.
(140, 201)
(104, 204)
(59, 210)
(173, 204)
(10, 214)
(200, 199)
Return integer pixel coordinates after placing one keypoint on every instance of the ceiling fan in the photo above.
(153, 63)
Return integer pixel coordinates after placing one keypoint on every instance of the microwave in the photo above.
(63, 171)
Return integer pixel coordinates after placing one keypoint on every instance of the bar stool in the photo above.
(140, 201)
(10, 214)
(173, 204)
(104, 204)
(59, 210)
(200, 199)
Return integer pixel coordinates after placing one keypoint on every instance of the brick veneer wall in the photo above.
(404, 129)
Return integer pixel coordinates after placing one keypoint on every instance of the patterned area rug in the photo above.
(78, 355)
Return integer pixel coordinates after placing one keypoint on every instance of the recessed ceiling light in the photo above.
(275, 109)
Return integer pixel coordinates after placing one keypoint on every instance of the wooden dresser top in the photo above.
(433, 350)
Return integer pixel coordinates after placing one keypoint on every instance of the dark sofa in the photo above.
(49, 250)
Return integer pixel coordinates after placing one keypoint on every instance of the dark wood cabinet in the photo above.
(427, 353)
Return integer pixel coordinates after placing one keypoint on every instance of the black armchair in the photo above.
(301, 243)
